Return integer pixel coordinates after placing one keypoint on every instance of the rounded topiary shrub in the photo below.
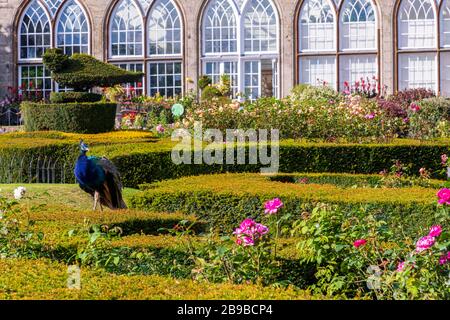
(72, 96)
(69, 117)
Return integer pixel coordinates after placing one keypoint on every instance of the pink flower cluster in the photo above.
(359, 243)
(272, 206)
(444, 196)
(444, 159)
(428, 241)
(249, 232)
(445, 258)
(160, 128)
(414, 107)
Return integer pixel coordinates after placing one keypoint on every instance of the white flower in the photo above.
(19, 193)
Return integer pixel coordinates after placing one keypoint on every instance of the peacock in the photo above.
(100, 178)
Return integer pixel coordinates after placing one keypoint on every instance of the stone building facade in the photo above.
(265, 45)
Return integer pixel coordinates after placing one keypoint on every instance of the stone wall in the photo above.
(191, 10)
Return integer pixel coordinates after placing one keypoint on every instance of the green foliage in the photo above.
(70, 117)
(54, 59)
(432, 120)
(47, 280)
(17, 238)
(317, 94)
(209, 93)
(204, 81)
(83, 72)
(294, 157)
(371, 269)
(72, 96)
(224, 200)
(148, 159)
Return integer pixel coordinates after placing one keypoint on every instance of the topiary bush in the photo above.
(69, 117)
(83, 72)
(72, 96)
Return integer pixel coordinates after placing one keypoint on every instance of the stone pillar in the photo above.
(8, 9)
(386, 25)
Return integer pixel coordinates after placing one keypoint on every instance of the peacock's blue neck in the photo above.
(87, 171)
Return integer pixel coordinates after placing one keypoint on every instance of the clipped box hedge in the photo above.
(73, 96)
(143, 158)
(46, 280)
(143, 163)
(69, 117)
(225, 200)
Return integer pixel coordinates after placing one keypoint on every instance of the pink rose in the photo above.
(435, 231)
(445, 258)
(359, 243)
(160, 128)
(401, 266)
(425, 243)
(272, 206)
(249, 231)
(248, 241)
(444, 196)
(414, 107)
(444, 159)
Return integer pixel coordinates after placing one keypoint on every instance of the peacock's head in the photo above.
(83, 147)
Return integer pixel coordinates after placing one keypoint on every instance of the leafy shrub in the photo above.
(148, 159)
(71, 117)
(83, 72)
(204, 81)
(318, 113)
(55, 60)
(430, 119)
(319, 94)
(359, 254)
(397, 105)
(48, 280)
(224, 200)
(72, 96)
(210, 92)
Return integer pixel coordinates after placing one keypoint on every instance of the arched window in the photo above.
(220, 31)
(417, 56)
(35, 32)
(126, 30)
(53, 5)
(164, 29)
(320, 60)
(163, 44)
(358, 25)
(35, 35)
(72, 33)
(250, 59)
(317, 35)
(260, 27)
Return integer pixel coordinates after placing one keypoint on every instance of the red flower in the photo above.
(359, 243)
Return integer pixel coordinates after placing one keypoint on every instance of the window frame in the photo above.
(57, 20)
(109, 36)
(240, 56)
(53, 17)
(337, 52)
(438, 48)
(146, 59)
